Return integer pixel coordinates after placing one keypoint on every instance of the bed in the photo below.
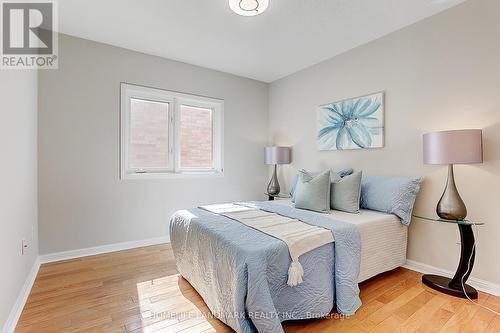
(241, 272)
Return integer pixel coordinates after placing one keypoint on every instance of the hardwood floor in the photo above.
(140, 290)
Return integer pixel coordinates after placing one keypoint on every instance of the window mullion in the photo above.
(176, 132)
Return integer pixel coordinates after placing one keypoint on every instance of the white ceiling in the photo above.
(289, 36)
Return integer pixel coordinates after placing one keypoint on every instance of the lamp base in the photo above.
(274, 187)
(451, 206)
(442, 284)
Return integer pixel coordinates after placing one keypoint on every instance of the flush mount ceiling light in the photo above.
(248, 7)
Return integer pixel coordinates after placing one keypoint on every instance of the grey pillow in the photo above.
(345, 193)
(293, 184)
(313, 192)
(393, 195)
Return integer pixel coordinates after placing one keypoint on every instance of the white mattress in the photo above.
(383, 240)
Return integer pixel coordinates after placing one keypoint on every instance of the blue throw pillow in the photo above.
(293, 184)
(313, 192)
(345, 193)
(393, 195)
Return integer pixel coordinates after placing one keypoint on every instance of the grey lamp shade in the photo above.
(453, 147)
(277, 155)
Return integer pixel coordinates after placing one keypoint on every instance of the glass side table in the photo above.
(454, 286)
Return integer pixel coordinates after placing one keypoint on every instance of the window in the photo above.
(168, 134)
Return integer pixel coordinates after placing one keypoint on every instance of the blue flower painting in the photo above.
(356, 123)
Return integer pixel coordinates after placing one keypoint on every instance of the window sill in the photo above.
(172, 175)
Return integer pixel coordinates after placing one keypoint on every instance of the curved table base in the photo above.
(442, 284)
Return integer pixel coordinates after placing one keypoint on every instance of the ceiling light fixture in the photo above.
(248, 7)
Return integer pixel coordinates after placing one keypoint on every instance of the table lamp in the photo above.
(275, 156)
(449, 148)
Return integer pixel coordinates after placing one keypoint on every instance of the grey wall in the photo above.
(18, 182)
(82, 201)
(441, 73)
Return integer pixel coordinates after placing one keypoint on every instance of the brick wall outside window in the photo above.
(196, 137)
(148, 134)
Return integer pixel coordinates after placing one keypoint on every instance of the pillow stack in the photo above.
(347, 191)
(321, 192)
(293, 184)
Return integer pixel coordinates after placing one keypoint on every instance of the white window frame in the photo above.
(175, 100)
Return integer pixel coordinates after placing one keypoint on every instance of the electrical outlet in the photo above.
(24, 246)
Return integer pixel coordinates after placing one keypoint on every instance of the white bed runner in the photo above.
(300, 237)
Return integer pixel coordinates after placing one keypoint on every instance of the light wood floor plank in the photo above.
(140, 291)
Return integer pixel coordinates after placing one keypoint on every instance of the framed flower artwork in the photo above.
(355, 123)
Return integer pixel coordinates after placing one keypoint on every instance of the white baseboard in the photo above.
(17, 309)
(485, 286)
(58, 256)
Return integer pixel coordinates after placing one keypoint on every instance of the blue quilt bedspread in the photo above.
(241, 273)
